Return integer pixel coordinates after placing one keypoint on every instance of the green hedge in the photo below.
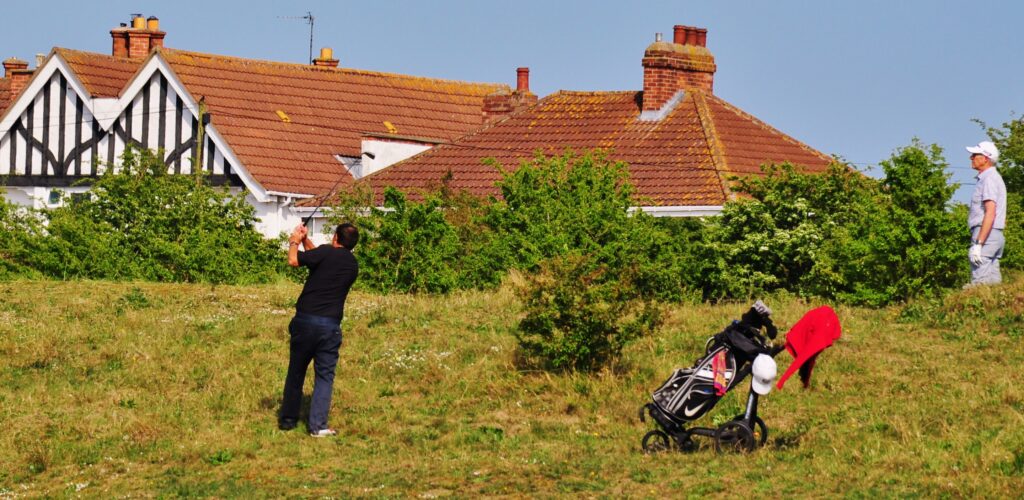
(140, 223)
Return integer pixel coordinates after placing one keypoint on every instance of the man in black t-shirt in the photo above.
(316, 328)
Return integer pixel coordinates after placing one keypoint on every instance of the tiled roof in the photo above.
(103, 76)
(5, 94)
(329, 109)
(682, 159)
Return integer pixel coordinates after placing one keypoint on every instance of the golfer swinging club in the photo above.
(316, 328)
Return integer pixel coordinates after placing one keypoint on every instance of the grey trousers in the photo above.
(987, 273)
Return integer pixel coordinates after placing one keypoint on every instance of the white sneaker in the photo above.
(324, 433)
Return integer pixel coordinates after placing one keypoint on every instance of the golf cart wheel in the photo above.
(656, 442)
(734, 436)
(759, 429)
(687, 444)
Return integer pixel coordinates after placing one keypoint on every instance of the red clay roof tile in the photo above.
(672, 161)
(5, 94)
(329, 108)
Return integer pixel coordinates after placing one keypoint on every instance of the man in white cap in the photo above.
(986, 215)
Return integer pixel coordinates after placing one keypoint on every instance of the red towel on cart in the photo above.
(815, 332)
(718, 367)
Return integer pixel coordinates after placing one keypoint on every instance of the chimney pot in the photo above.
(657, 37)
(17, 71)
(138, 22)
(326, 58)
(679, 34)
(702, 37)
(522, 79)
(669, 69)
(691, 36)
(153, 23)
(12, 64)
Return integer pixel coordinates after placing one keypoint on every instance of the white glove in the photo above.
(975, 254)
(762, 309)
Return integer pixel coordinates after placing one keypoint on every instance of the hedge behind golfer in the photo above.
(316, 328)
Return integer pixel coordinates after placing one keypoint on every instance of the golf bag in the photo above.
(691, 392)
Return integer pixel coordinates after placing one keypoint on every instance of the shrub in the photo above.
(20, 232)
(841, 235)
(912, 243)
(141, 223)
(594, 273)
(579, 204)
(408, 247)
(1013, 252)
(776, 237)
(579, 314)
(549, 207)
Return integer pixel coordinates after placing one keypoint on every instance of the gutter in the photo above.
(680, 210)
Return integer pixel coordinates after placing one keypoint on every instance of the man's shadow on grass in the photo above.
(272, 405)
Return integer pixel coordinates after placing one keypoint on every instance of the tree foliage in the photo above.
(842, 235)
(139, 222)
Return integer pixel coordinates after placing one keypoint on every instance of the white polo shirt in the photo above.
(989, 187)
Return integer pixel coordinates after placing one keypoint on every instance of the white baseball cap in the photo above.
(763, 374)
(986, 149)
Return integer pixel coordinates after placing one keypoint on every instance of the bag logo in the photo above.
(689, 412)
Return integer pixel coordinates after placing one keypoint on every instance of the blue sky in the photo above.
(856, 78)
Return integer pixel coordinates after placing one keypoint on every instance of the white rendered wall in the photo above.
(385, 153)
(21, 196)
(279, 217)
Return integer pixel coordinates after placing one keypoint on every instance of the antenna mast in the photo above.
(309, 16)
(309, 20)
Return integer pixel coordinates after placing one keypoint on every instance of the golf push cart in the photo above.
(729, 357)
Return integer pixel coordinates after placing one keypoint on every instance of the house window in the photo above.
(54, 196)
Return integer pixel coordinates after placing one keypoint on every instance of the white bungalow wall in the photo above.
(385, 153)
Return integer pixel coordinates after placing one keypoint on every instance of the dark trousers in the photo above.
(317, 339)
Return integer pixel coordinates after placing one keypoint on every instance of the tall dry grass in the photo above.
(172, 390)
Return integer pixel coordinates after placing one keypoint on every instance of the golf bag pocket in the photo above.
(690, 392)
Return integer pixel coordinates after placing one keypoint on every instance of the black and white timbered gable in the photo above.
(56, 134)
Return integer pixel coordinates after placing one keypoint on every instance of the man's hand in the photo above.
(975, 254)
(297, 237)
(298, 234)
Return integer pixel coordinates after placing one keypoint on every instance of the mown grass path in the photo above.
(172, 390)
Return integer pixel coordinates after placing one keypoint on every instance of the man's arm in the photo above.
(307, 244)
(988, 221)
(298, 236)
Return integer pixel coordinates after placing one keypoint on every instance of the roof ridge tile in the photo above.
(169, 52)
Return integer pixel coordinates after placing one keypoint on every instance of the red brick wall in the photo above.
(138, 43)
(120, 45)
(669, 71)
(19, 80)
(499, 105)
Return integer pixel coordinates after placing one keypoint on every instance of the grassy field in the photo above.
(172, 390)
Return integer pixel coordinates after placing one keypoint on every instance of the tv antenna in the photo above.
(309, 20)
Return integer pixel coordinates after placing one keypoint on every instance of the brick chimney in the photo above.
(138, 39)
(326, 58)
(686, 63)
(500, 104)
(17, 71)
